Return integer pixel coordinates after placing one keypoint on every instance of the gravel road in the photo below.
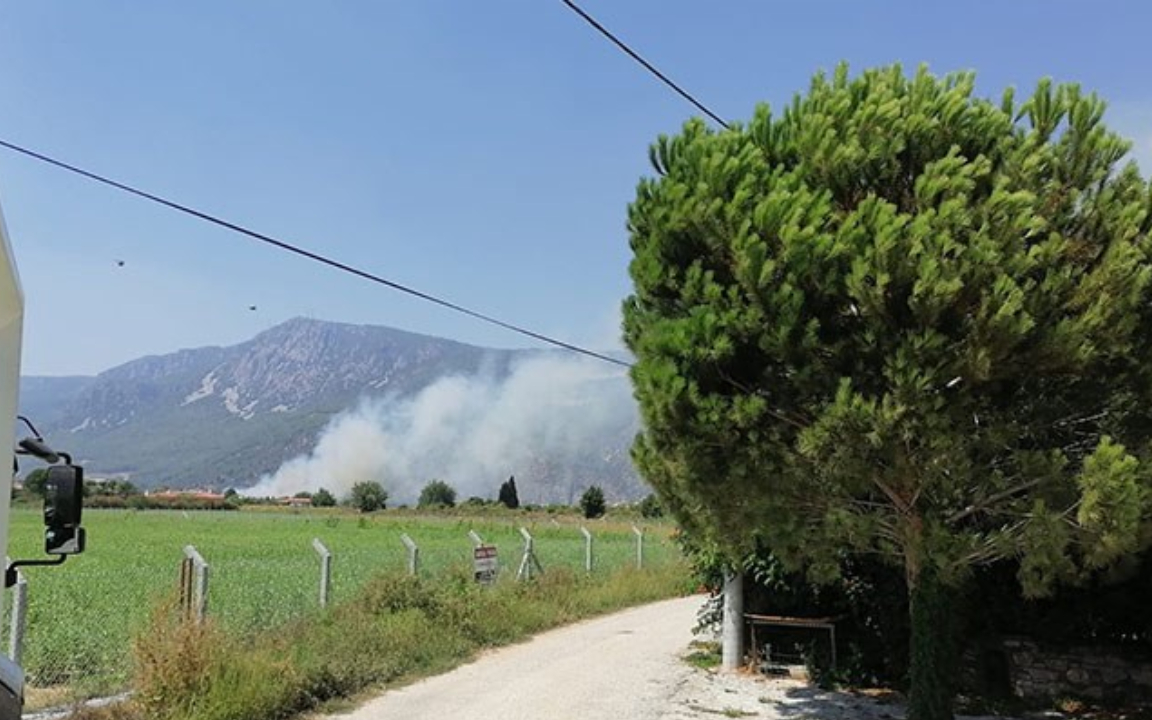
(624, 666)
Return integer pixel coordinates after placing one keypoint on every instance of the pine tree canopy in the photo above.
(899, 319)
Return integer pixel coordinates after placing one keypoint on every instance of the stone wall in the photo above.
(1037, 671)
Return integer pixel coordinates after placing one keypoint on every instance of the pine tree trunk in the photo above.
(933, 647)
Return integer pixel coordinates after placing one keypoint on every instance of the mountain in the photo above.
(44, 399)
(227, 416)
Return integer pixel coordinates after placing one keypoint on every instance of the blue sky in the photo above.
(485, 152)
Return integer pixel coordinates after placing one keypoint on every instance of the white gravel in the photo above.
(626, 666)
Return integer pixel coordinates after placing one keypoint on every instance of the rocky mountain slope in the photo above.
(226, 416)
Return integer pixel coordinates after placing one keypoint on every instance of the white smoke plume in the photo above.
(472, 432)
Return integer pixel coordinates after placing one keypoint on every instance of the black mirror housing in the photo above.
(63, 503)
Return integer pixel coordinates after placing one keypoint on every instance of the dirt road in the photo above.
(621, 667)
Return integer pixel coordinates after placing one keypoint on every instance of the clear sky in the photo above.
(482, 151)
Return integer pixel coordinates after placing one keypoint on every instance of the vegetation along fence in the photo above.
(252, 571)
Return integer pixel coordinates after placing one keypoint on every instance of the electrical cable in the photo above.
(647, 65)
(316, 257)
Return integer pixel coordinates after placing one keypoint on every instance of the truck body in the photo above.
(11, 329)
(11, 333)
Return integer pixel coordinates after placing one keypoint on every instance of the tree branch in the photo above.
(992, 500)
(897, 501)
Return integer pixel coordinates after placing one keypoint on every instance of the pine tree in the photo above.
(900, 320)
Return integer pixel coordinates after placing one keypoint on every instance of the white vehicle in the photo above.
(65, 482)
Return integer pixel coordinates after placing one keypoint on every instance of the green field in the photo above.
(263, 571)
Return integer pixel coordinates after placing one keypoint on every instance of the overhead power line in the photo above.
(316, 257)
(647, 65)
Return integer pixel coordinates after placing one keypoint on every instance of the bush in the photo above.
(592, 502)
(173, 659)
(869, 600)
(437, 494)
(323, 498)
(149, 502)
(34, 482)
(369, 496)
(650, 507)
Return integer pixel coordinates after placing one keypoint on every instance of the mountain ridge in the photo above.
(227, 416)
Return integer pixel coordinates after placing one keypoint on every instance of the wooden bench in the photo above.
(821, 623)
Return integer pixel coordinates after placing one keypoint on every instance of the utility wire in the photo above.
(316, 257)
(647, 65)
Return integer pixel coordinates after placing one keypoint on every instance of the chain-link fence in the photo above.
(80, 619)
(76, 639)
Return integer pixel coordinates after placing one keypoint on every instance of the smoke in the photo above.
(551, 414)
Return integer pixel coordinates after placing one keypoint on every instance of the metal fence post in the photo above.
(413, 553)
(325, 570)
(19, 614)
(199, 577)
(639, 547)
(587, 549)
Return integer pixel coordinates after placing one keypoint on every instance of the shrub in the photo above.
(369, 496)
(592, 502)
(650, 507)
(437, 494)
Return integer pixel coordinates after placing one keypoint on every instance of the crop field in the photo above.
(263, 571)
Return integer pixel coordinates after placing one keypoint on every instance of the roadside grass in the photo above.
(397, 628)
(705, 654)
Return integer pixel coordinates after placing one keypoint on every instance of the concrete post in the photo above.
(413, 553)
(529, 561)
(19, 613)
(325, 570)
(732, 624)
(639, 547)
(587, 549)
(200, 592)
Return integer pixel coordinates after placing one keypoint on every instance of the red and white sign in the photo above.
(485, 565)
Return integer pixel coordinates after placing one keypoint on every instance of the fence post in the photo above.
(197, 578)
(639, 547)
(19, 613)
(413, 553)
(185, 586)
(587, 549)
(529, 560)
(325, 570)
(475, 537)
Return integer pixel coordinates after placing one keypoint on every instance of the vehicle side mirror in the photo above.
(63, 502)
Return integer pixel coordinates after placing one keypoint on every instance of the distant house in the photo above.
(296, 501)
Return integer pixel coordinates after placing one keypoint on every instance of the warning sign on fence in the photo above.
(485, 566)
